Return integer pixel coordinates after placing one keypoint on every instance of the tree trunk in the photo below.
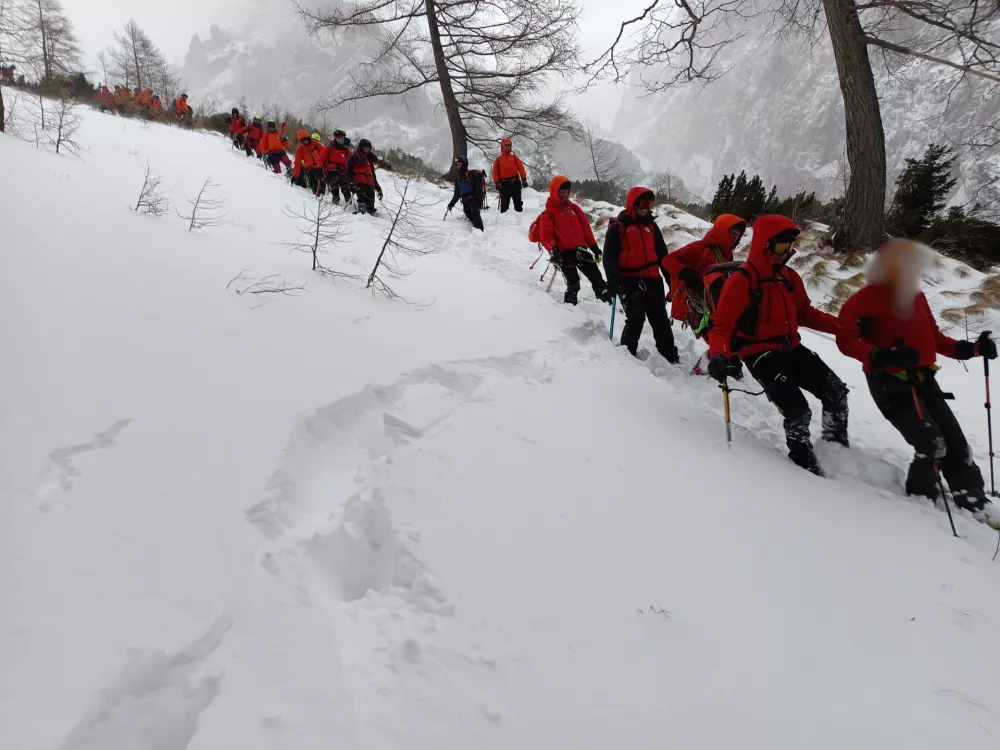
(46, 61)
(459, 135)
(860, 225)
(3, 115)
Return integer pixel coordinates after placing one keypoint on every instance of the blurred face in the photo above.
(564, 193)
(735, 235)
(904, 264)
(507, 148)
(366, 149)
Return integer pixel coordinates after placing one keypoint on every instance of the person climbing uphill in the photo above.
(470, 190)
(757, 319)
(888, 326)
(509, 176)
(272, 146)
(361, 173)
(565, 232)
(335, 166)
(307, 171)
(634, 251)
(687, 266)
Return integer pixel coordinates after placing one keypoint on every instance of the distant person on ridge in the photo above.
(634, 252)
(156, 106)
(335, 166)
(687, 266)
(182, 110)
(361, 173)
(272, 147)
(105, 100)
(470, 189)
(757, 319)
(889, 327)
(509, 176)
(565, 232)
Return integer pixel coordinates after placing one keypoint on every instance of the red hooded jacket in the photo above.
(633, 248)
(508, 166)
(714, 248)
(867, 321)
(336, 156)
(563, 225)
(784, 304)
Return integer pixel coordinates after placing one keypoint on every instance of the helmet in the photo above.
(316, 137)
(184, 96)
(339, 131)
(271, 125)
(258, 118)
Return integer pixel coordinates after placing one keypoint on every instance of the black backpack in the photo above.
(477, 178)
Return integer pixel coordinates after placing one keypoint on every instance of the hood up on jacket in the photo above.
(557, 184)
(769, 228)
(364, 142)
(506, 142)
(464, 161)
(719, 233)
(634, 196)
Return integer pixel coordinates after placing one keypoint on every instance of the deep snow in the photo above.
(464, 521)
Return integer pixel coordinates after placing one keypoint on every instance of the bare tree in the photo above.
(65, 122)
(9, 56)
(606, 159)
(134, 57)
(684, 38)
(205, 211)
(669, 188)
(271, 284)
(320, 226)
(104, 62)
(49, 45)
(406, 235)
(491, 60)
(151, 201)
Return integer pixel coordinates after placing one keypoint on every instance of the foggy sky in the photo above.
(171, 24)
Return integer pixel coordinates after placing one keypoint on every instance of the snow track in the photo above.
(470, 521)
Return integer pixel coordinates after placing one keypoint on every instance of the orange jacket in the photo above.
(507, 166)
(308, 156)
(563, 225)
(143, 97)
(105, 98)
(182, 106)
(271, 141)
(155, 103)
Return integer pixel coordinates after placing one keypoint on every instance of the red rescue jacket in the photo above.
(236, 125)
(563, 225)
(867, 321)
(361, 166)
(770, 292)
(507, 166)
(336, 156)
(714, 248)
(633, 248)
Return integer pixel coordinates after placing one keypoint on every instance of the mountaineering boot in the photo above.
(803, 455)
(570, 297)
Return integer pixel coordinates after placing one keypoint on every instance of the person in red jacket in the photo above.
(155, 106)
(335, 165)
(565, 232)
(509, 176)
(307, 171)
(252, 133)
(361, 173)
(237, 134)
(272, 147)
(687, 266)
(889, 327)
(634, 252)
(757, 319)
(105, 99)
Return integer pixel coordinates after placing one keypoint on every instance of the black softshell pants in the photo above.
(510, 189)
(644, 299)
(784, 374)
(470, 205)
(937, 438)
(572, 267)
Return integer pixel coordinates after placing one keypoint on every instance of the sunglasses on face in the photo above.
(782, 248)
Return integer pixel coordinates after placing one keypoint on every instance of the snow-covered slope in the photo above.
(331, 520)
(779, 113)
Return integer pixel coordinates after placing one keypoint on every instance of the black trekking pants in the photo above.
(572, 267)
(510, 189)
(937, 438)
(470, 205)
(644, 298)
(336, 180)
(784, 374)
(366, 197)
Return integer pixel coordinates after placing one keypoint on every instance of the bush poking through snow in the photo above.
(406, 235)
(151, 201)
(205, 211)
(320, 227)
(65, 123)
(271, 284)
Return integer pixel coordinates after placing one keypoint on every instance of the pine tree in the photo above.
(921, 192)
(772, 203)
(722, 202)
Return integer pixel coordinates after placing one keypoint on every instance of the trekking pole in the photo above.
(989, 422)
(911, 376)
(552, 280)
(611, 330)
(725, 411)
(541, 251)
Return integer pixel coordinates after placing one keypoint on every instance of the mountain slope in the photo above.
(471, 521)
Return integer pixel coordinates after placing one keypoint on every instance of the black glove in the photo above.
(597, 252)
(378, 192)
(987, 346)
(524, 182)
(690, 278)
(896, 356)
(720, 367)
(554, 258)
(496, 186)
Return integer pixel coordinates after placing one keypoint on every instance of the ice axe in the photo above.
(725, 410)
(611, 336)
(989, 422)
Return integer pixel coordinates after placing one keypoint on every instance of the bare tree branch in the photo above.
(205, 211)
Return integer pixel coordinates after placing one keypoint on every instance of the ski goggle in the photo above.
(782, 248)
(646, 204)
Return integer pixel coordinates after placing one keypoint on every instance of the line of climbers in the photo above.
(750, 313)
(144, 103)
(335, 167)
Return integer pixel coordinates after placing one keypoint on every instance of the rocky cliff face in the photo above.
(778, 112)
